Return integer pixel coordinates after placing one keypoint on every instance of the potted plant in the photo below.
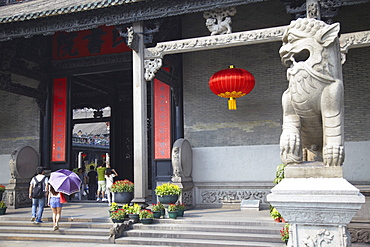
(279, 173)
(2, 207)
(113, 207)
(118, 216)
(181, 209)
(284, 233)
(275, 214)
(168, 193)
(156, 209)
(123, 191)
(133, 212)
(146, 216)
(172, 211)
(2, 189)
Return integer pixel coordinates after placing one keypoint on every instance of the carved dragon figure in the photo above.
(313, 103)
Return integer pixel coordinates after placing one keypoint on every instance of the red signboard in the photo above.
(98, 41)
(59, 120)
(162, 120)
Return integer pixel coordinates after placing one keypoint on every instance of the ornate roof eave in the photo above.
(329, 8)
(45, 8)
(118, 15)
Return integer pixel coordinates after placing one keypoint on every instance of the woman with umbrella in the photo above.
(61, 181)
(56, 206)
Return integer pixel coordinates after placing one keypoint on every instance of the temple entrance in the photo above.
(102, 120)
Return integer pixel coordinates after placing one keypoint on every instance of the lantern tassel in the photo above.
(232, 103)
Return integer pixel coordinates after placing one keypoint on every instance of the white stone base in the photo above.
(318, 209)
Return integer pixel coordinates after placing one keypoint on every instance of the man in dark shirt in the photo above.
(92, 176)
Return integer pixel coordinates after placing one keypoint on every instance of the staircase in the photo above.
(90, 223)
(204, 233)
(78, 230)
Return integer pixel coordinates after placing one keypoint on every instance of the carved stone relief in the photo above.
(313, 11)
(232, 196)
(323, 236)
(218, 21)
(328, 216)
(181, 159)
(353, 40)
(360, 235)
(151, 67)
(187, 197)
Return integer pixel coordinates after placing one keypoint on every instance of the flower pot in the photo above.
(163, 211)
(134, 217)
(277, 219)
(180, 213)
(123, 197)
(146, 221)
(117, 221)
(167, 199)
(173, 214)
(2, 211)
(156, 214)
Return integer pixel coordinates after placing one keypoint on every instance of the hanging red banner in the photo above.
(162, 120)
(59, 120)
(97, 41)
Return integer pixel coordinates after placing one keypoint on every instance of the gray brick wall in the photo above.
(257, 121)
(20, 122)
(356, 77)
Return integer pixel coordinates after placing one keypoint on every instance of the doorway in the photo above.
(102, 126)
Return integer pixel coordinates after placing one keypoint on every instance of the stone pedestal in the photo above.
(317, 209)
(182, 164)
(16, 194)
(23, 163)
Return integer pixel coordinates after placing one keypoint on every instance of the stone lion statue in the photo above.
(313, 103)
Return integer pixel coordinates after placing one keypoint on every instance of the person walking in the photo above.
(109, 179)
(38, 193)
(101, 181)
(92, 179)
(56, 206)
(82, 175)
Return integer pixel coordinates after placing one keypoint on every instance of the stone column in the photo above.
(140, 119)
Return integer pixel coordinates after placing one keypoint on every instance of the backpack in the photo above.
(38, 190)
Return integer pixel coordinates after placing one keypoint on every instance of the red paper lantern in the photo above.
(231, 83)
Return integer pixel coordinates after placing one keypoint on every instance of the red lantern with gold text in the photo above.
(231, 83)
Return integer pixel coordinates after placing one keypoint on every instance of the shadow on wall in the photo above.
(4, 168)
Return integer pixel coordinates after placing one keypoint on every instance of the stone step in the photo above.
(224, 221)
(63, 219)
(62, 224)
(275, 229)
(55, 237)
(225, 236)
(192, 242)
(49, 230)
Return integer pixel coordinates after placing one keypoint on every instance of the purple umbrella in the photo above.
(65, 181)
